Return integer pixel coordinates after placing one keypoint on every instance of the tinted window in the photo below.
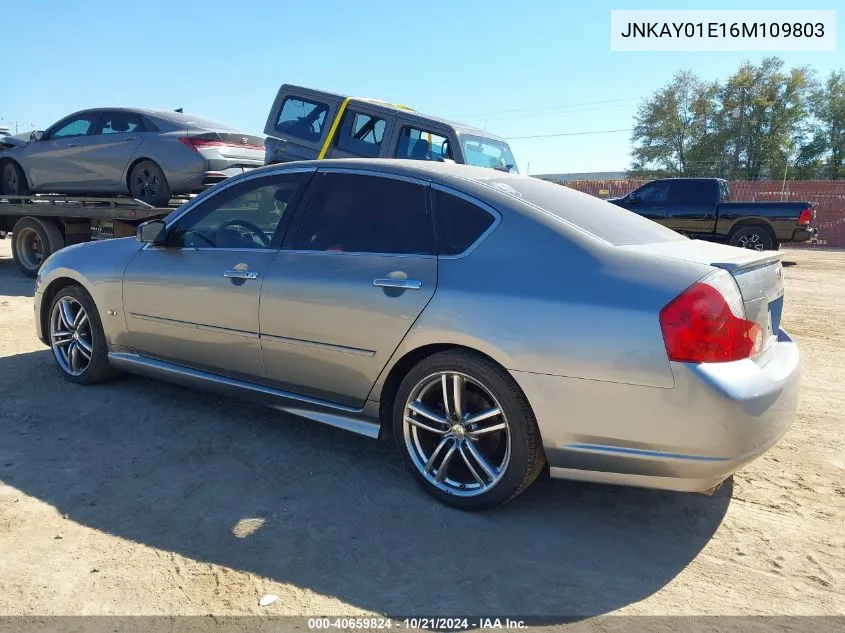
(485, 152)
(302, 118)
(422, 145)
(459, 223)
(78, 126)
(367, 214)
(119, 123)
(653, 193)
(361, 134)
(243, 216)
(691, 191)
(597, 217)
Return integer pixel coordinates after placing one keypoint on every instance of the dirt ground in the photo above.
(136, 497)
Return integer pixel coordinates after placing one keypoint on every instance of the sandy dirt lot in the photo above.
(136, 497)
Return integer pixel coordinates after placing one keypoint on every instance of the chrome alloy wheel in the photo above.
(457, 434)
(70, 336)
(752, 241)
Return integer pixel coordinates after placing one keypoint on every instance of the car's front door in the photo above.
(649, 200)
(194, 301)
(57, 161)
(111, 145)
(354, 274)
(691, 206)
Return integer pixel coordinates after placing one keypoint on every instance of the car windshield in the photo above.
(488, 152)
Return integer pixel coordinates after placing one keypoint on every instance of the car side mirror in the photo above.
(36, 136)
(152, 232)
(632, 197)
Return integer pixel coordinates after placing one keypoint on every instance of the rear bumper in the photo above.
(804, 234)
(716, 419)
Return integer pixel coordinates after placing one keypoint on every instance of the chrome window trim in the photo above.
(302, 251)
(363, 171)
(497, 218)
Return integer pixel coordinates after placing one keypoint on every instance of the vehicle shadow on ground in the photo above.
(179, 471)
(13, 283)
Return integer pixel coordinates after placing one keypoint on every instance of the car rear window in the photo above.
(597, 217)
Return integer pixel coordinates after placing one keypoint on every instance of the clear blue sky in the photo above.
(516, 66)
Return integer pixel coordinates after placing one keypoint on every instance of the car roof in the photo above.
(169, 115)
(410, 113)
(442, 172)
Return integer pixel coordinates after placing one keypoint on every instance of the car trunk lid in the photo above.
(758, 274)
(229, 144)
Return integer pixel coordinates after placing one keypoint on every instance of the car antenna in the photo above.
(179, 110)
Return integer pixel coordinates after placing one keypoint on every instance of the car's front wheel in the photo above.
(466, 430)
(77, 338)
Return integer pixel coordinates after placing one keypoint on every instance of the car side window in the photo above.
(78, 126)
(119, 123)
(302, 118)
(361, 134)
(654, 193)
(245, 215)
(354, 213)
(422, 145)
(459, 223)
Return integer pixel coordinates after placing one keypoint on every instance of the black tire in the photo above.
(526, 457)
(12, 180)
(755, 237)
(148, 183)
(98, 368)
(33, 241)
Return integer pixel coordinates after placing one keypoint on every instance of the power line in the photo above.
(549, 107)
(514, 138)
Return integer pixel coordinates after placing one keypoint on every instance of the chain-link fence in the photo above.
(828, 196)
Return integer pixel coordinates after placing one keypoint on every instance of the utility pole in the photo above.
(739, 135)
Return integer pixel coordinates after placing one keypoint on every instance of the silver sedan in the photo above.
(149, 154)
(494, 325)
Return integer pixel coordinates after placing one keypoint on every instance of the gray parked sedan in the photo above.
(149, 154)
(493, 324)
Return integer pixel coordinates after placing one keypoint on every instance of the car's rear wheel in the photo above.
(12, 180)
(148, 183)
(756, 238)
(466, 431)
(33, 241)
(77, 339)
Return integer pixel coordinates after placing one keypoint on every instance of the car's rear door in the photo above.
(194, 301)
(357, 269)
(298, 124)
(691, 205)
(111, 146)
(362, 132)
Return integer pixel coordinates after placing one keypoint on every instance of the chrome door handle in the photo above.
(407, 284)
(240, 274)
(129, 138)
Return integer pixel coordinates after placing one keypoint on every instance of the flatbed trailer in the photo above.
(41, 224)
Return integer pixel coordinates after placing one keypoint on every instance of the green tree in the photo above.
(825, 152)
(764, 117)
(670, 126)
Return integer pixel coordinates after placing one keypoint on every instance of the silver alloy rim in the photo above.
(457, 434)
(751, 241)
(29, 247)
(70, 336)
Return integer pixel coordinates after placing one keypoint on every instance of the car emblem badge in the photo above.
(244, 140)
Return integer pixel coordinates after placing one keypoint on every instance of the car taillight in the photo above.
(805, 217)
(197, 143)
(706, 323)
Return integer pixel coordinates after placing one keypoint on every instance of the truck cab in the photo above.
(307, 124)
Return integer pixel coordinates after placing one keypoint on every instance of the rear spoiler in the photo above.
(753, 258)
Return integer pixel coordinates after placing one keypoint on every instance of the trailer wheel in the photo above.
(12, 180)
(148, 183)
(33, 241)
